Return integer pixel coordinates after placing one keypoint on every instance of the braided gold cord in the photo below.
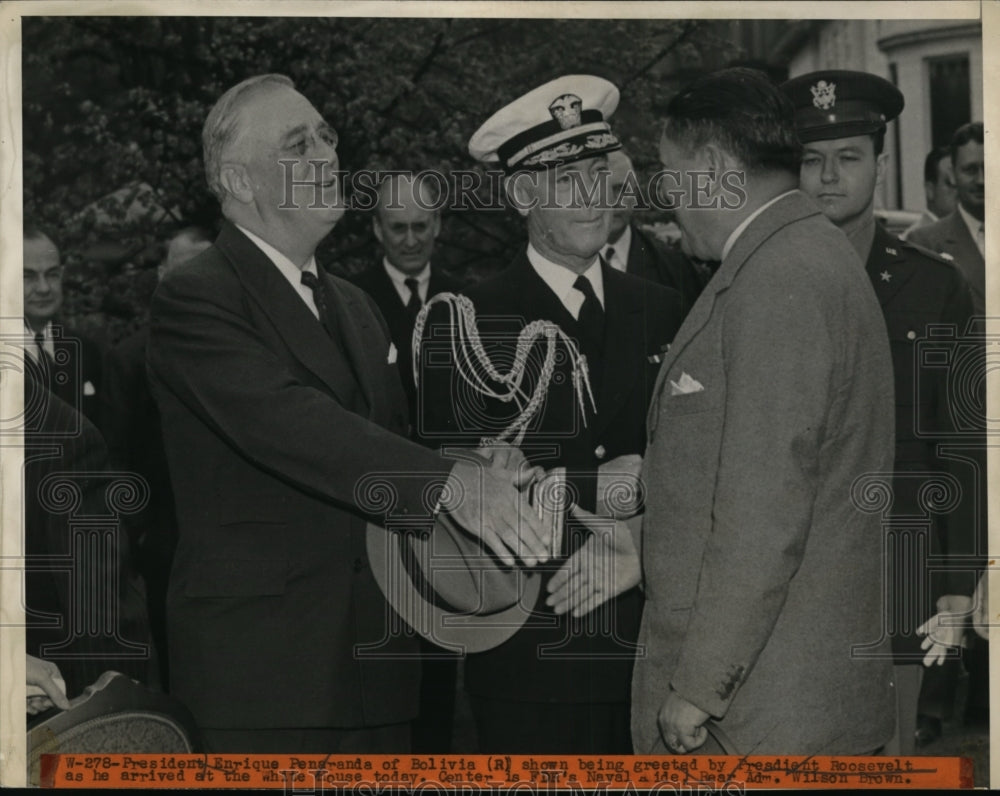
(469, 352)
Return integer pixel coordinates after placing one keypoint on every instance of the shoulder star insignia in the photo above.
(890, 250)
(886, 276)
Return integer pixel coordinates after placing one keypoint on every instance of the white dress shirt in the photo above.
(399, 281)
(735, 234)
(621, 248)
(560, 280)
(288, 269)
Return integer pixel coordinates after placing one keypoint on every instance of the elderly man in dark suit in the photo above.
(282, 418)
(634, 251)
(561, 684)
(961, 235)
(406, 223)
(762, 572)
(69, 362)
(842, 164)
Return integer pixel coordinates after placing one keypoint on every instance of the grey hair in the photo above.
(222, 125)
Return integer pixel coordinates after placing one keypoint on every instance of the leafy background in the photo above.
(113, 109)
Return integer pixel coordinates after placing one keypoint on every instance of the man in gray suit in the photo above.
(772, 413)
(961, 235)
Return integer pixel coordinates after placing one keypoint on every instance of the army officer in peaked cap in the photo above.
(561, 684)
(841, 119)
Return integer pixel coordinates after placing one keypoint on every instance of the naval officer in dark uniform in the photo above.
(561, 684)
(841, 119)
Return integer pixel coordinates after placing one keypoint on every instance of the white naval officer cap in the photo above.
(560, 122)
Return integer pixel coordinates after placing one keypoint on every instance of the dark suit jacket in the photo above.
(75, 377)
(917, 289)
(762, 556)
(650, 259)
(951, 237)
(377, 284)
(281, 442)
(131, 424)
(67, 483)
(557, 660)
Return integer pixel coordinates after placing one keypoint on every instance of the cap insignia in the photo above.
(565, 109)
(823, 95)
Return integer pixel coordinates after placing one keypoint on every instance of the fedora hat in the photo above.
(448, 587)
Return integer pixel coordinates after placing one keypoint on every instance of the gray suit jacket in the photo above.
(761, 551)
(950, 237)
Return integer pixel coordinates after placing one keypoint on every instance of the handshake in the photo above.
(517, 510)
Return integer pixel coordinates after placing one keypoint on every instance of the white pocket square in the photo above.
(684, 385)
(88, 388)
(393, 354)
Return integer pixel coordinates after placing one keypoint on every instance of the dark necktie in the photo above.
(44, 359)
(415, 303)
(590, 322)
(311, 281)
(591, 317)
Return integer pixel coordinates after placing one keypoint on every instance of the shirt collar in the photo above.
(399, 278)
(291, 271)
(735, 234)
(48, 343)
(561, 279)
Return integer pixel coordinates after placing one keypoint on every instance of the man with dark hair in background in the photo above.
(842, 164)
(939, 189)
(131, 424)
(961, 235)
(634, 251)
(760, 572)
(69, 362)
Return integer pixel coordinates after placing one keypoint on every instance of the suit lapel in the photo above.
(361, 340)
(301, 331)
(887, 269)
(785, 211)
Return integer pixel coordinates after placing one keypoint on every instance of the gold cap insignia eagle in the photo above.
(824, 95)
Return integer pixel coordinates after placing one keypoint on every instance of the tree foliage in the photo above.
(113, 103)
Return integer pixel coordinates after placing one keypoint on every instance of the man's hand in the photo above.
(605, 566)
(503, 456)
(44, 675)
(944, 630)
(682, 724)
(619, 492)
(486, 501)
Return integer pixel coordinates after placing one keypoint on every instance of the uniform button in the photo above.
(358, 565)
(599, 451)
(911, 335)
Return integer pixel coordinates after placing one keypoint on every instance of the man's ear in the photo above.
(436, 225)
(521, 191)
(377, 226)
(716, 161)
(880, 165)
(236, 181)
